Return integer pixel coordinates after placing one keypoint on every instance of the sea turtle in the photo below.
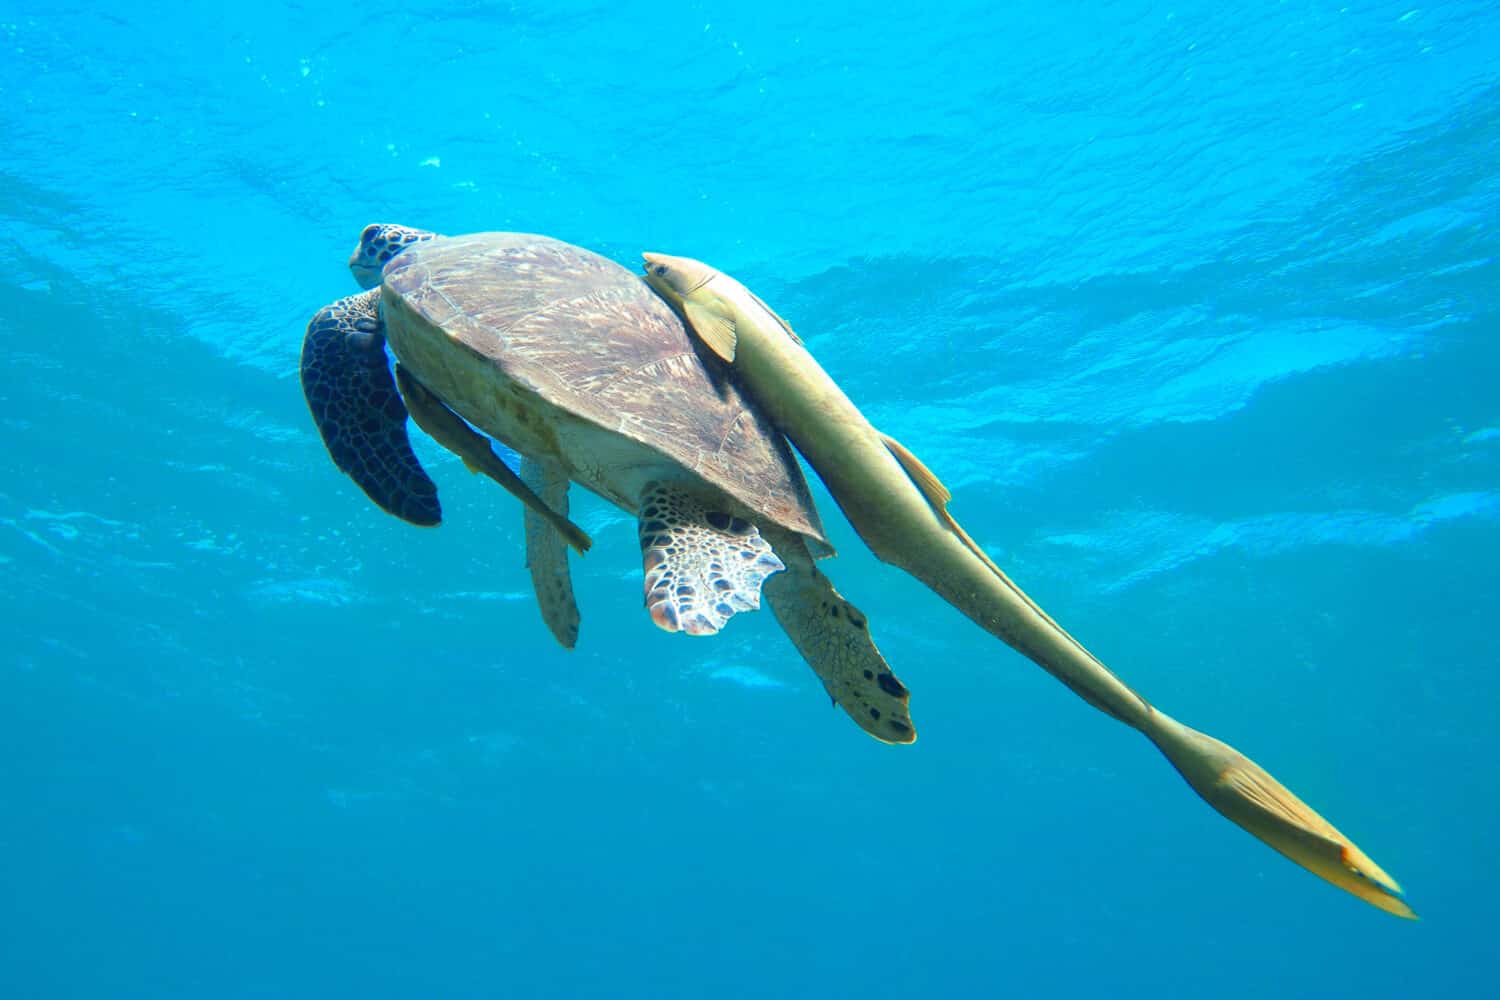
(573, 362)
(900, 509)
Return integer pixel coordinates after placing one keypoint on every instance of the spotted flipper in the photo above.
(452, 432)
(547, 552)
(347, 381)
(702, 565)
(834, 638)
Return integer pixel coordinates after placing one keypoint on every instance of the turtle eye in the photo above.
(661, 270)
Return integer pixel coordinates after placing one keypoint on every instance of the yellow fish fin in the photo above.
(714, 325)
(774, 315)
(932, 488)
(937, 496)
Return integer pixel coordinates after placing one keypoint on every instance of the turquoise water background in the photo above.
(1195, 307)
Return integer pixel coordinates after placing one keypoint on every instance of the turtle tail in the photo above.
(347, 380)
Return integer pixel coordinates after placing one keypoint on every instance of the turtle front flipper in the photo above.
(833, 636)
(702, 565)
(546, 554)
(452, 432)
(347, 381)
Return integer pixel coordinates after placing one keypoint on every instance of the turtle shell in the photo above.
(557, 332)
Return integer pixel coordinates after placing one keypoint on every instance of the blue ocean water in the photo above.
(1194, 306)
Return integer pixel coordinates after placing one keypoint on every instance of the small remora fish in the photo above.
(899, 508)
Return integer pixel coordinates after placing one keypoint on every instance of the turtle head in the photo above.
(377, 245)
(675, 278)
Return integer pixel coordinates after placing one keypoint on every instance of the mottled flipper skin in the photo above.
(347, 380)
(547, 551)
(834, 638)
(703, 566)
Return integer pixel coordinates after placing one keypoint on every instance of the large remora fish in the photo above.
(900, 510)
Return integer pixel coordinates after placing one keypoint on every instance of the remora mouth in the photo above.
(648, 266)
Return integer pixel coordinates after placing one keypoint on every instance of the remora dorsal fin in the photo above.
(714, 325)
(932, 488)
(937, 496)
(775, 315)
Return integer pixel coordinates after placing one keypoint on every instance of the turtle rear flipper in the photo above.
(547, 552)
(702, 565)
(834, 638)
(352, 395)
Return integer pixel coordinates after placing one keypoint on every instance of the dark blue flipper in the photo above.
(352, 395)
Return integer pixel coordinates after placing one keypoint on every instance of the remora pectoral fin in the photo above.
(714, 325)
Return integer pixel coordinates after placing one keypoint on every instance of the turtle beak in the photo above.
(365, 273)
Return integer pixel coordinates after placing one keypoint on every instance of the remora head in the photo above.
(675, 278)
